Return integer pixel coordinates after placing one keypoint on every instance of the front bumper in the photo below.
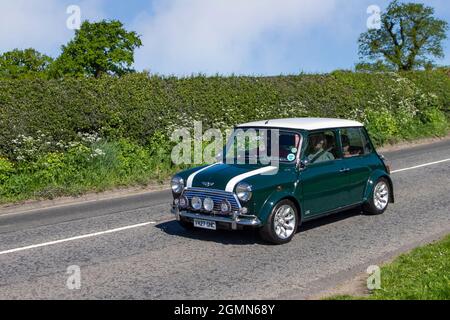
(233, 222)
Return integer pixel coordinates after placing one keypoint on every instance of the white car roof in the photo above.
(304, 123)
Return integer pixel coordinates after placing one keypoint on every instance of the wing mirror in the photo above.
(303, 164)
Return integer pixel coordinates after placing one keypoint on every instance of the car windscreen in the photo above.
(256, 145)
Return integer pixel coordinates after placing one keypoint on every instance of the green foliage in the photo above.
(381, 124)
(27, 63)
(378, 66)
(77, 134)
(409, 38)
(98, 48)
(6, 169)
(434, 82)
(95, 167)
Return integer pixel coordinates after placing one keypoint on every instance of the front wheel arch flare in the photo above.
(272, 201)
(376, 175)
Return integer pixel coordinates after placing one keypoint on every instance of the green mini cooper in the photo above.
(275, 174)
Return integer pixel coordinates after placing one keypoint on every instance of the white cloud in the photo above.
(40, 24)
(181, 37)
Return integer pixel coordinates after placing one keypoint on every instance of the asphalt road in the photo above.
(151, 257)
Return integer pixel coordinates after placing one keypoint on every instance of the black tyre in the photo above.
(379, 199)
(282, 223)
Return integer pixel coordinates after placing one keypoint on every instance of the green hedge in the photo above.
(137, 106)
(43, 122)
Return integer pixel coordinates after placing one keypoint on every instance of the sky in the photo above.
(184, 37)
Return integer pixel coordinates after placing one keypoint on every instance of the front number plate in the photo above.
(205, 224)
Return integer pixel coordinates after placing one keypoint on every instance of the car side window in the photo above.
(322, 147)
(354, 142)
(366, 143)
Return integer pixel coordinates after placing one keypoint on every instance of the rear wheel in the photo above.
(379, 200)
(281, 224)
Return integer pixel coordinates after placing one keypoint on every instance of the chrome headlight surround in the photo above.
(244, 191)
(177, 184)
(208, 204)
(225, 206)
(196, 203)
(183, 202)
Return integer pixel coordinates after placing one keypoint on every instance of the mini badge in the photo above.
(291, 157)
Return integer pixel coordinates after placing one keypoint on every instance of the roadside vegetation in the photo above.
(422, 274)
(86, 121)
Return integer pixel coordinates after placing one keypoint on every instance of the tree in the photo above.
(98, 48)
(409, 38)
(24, 64)
(378, 66)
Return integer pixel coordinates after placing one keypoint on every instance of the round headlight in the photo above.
(177, 184)
(244, 191)
(225, 206)
(183, 202)
(196, 203)
(208, 204)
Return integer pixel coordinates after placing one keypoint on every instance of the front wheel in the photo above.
(379, 200)
(281, 224)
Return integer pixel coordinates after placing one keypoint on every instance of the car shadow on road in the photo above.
(249, 236)
(330, 219)
(227, 237)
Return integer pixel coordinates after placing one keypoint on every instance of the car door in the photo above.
(323, 180)
(358, 157)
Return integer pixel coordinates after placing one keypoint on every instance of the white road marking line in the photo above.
(75, 238)
(421, 166)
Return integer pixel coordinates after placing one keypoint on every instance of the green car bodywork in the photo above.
(316, 189)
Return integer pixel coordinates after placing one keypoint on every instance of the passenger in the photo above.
(331, 144)
(345, 146)
(347, 153)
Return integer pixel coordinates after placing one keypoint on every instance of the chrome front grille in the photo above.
(216, 195)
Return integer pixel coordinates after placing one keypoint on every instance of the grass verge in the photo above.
(422, 274)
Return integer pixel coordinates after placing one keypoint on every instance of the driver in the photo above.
(318, 149)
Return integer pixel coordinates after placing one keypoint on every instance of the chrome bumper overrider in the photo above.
(234, 221)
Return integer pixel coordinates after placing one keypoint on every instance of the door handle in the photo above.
(344, 170)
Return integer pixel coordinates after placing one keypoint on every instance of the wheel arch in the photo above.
(297, 206)
(371, 184)
(273, 199)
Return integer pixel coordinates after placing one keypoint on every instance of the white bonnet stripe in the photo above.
(232, 183)
(190, 179)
